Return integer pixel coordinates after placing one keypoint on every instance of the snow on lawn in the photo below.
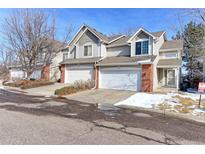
(192, 96)
(177, 102)
(144, 100)
(1, 86)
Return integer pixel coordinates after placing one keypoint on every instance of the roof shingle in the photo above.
(81, 61)
(172, 44)
(169, 62)
(120, 41)
(121, 60)
(157, 34)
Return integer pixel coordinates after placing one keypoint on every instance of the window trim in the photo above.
(162, 55)
(64, 56)
(142, 40)
(87, 44)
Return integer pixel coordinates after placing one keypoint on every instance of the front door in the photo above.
(170, 77)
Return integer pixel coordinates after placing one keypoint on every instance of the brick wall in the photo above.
(97, 77)
(45, 74)
(147, 78)
(63, 73)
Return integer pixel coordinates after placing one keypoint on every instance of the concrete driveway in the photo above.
(45, 90)
(101, 96)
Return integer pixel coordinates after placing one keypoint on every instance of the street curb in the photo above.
(171, 114)
(168, 113)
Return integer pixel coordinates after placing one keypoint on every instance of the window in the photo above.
(88, 50)
(65, 55)
(142, 47)
(169, 55)
(145, 47)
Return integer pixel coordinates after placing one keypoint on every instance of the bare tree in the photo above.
(30, 35)
(6, 57)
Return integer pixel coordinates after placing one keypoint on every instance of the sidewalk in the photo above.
(46, 91)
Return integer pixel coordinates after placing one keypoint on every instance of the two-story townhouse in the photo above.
(142, 62)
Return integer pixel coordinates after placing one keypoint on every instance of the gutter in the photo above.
(123, 64)
(170, 49)
(117, 45)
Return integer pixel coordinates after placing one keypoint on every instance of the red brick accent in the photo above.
(147, 78)
(97, 77)
(45, 74)
(62, 73)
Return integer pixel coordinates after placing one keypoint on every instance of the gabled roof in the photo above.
(172, 44)
(139, 30)
(124, 39)
(101, 36)
(119, 42)
(158, 34)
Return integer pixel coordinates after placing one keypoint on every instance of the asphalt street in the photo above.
(28, 119)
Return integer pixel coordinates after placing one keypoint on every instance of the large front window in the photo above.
(88, 50)
(142, 47)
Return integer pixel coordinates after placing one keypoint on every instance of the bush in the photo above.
(26, 84)
(77, 86)
(66, 90)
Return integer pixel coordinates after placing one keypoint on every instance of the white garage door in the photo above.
(122, 78)
(78, 72)
(17, 74)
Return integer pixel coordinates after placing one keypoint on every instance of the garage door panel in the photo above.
(78, 73)
(120, 79)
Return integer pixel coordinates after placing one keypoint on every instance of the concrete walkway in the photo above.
(45, 90)
(40, 91)
(101, 96)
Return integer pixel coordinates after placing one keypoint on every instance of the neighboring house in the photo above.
(142, 62)
(50, 72)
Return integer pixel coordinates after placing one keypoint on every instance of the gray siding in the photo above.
(72, 53)
(118, 51)
(87, 38)
(142, 35)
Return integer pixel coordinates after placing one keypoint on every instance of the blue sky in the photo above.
(115, 20)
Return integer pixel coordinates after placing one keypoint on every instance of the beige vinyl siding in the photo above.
(169, 55)
(118, 51)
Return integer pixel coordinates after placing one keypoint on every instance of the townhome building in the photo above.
(143, 62)
(49, 72)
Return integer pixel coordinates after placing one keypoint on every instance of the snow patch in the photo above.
(199, 111)
(1, 86)
(144, 100)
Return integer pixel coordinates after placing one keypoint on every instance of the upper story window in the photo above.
(88, 50)
(65, 55)
(142, 47)
(169, 55)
